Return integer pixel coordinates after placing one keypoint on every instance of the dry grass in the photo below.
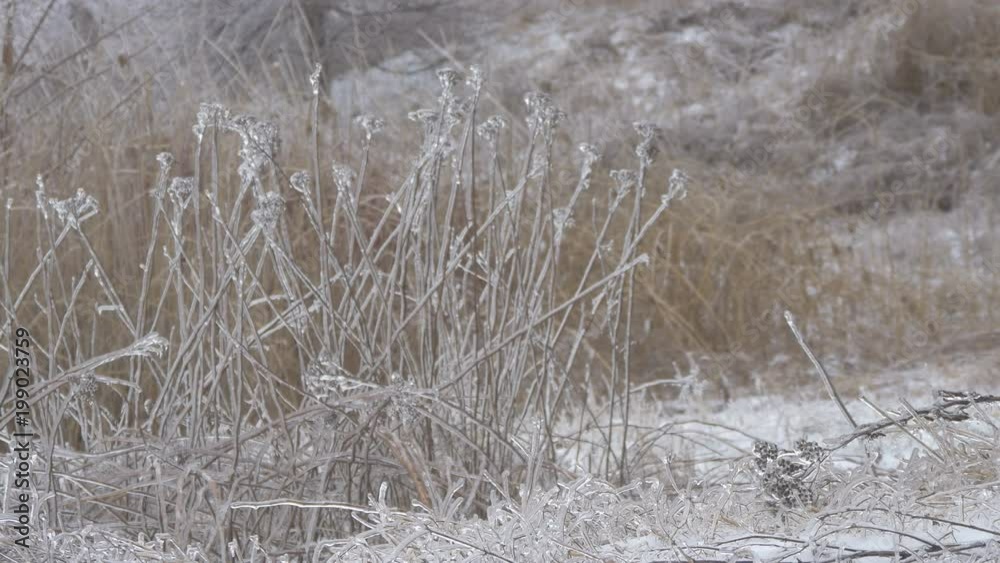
(946, 51)
(716, 269)
(746, 243)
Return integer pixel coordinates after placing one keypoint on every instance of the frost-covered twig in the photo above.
(950, 406)
(819, 368)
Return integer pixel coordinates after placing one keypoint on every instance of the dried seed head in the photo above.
(260, 143)
(457, 112)
(542, 112)
(74, 210)
(270, 208)
(476, 77)
(448, 77)
(809, 451)
(489, 130)
(86, 387)
(166, 160)
(591, 153)
(646, 149)
(343, 177)
(300, 182)
(181, 190)
(372, 125)
(646, 129)
(624, 180)
(676, 188)
(788, 465)
(765, 450)
(210, 115)
(537, 100)
(429, 119)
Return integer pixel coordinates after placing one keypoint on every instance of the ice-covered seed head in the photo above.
(591, 153)
(765, 450)
(537, 103)
(181, 190)
(71, 211)
(676, 187)
(343, 177)
(448, 77)
(808, 450)
(489, 130)
(260, 142)
(300, 182)
(646, 129)
(537, 100)
(542, 112)
(270, 208)
(456, 113)
(476, 77)
(166, 160)
(371, 124)
(210, 115)
(86, 387)
(646, 149)
(624, 179)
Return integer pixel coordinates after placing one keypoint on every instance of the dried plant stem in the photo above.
(819, 368)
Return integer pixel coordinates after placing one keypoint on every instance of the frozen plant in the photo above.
(74, 210)
(785, 476)
(270, 208)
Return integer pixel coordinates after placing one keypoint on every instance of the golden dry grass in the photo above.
(727, 259)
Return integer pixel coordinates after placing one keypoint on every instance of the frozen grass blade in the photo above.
(830, 389)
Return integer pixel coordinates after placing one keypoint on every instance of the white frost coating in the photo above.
(74, 210)
(344, 177)
(210, 115)
(270, 208)
(181, 191)
(371, 124)
(676, 187)
(314, 78)
(300, 182)
(591, 153)
(489, 130)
